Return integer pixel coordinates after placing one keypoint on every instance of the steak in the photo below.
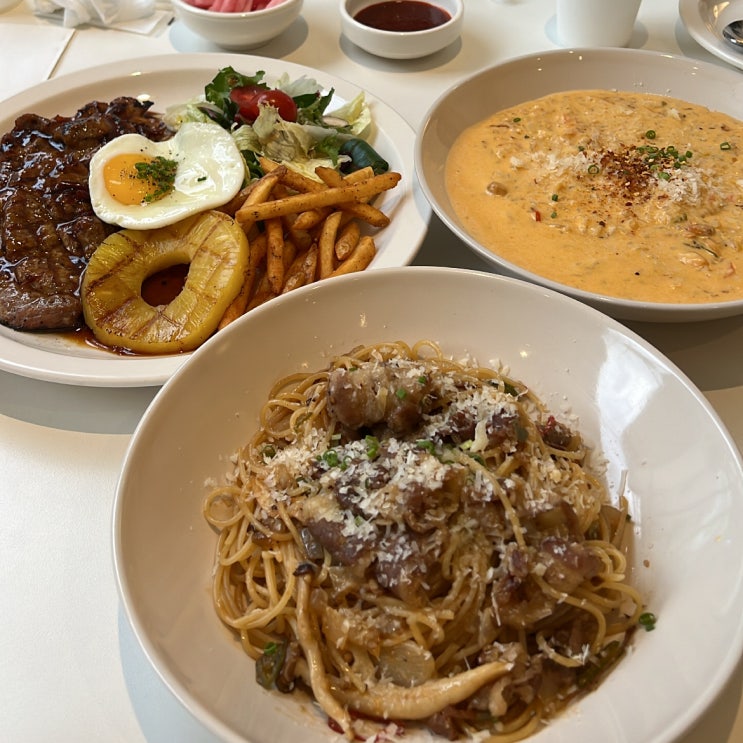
(48, 229)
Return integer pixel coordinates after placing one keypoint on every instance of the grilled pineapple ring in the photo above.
(216, 249)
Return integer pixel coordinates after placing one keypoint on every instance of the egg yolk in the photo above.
(125, 183)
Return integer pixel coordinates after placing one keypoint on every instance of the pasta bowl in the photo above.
(527, 78)
(632, 405)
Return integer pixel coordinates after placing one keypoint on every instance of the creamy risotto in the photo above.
(630, 195)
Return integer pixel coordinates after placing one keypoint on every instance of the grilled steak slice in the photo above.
(48, 230)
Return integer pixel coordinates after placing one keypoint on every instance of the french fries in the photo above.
(303, 229)
(326, 243)
(300, 202)
(347, 240)
(275, 245)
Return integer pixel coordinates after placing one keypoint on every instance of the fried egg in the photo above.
(140, 184)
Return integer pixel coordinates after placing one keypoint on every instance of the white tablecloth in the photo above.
(71, 670)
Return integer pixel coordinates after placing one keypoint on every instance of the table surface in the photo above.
(70, 666)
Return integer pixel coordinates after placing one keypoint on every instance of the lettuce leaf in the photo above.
(314, 139)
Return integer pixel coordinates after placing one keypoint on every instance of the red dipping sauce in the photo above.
(402, 15)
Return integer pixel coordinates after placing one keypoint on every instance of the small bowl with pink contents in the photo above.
(237, 25)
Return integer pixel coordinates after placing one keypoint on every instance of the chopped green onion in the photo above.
(426, 444)
(555, 197)
(650, 134)
(331, 458)
(647, 620)
(593, 169)
(400, 393)
(372, 447)
(726, 146)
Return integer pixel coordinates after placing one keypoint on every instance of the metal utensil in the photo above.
(733, 34)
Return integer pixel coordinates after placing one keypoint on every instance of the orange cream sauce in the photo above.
(628, 195)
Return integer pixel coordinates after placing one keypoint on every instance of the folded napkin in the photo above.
(139, 16)
(23, 70)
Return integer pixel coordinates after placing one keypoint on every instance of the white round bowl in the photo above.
(532, 76)
(665, 449)
(401, 44)
(238, 31)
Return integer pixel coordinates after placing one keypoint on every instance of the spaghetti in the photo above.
(417, 539)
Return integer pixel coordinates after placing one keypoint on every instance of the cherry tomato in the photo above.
(278, 99)
(242, 96)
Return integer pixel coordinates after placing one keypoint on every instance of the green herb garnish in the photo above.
(331, 458)
(660, 159)
(160, 173)
(647, 620)
(372, 447)
(427, 445)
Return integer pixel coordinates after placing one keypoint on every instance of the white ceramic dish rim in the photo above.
(705, 19)
(725, 647)
(456, 18)
(55, 358)
(215, 15)
(577, 62)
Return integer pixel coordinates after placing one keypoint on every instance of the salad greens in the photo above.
(319, 136)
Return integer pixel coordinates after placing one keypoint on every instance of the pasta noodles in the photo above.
(412, 538)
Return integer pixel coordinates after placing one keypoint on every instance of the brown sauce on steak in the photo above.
(48, 230)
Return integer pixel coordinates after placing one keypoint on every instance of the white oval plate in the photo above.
(705, 19)
(532, 76)
(166, 80)
(684, 479)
